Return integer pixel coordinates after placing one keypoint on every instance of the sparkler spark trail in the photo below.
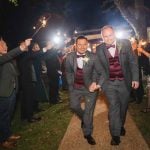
(43, 24)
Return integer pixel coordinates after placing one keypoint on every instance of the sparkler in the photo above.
(43, 23)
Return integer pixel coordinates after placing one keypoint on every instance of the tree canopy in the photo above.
(135, 12)
(15, 2)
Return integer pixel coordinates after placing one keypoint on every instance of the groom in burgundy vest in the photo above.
(82, 70)
(121, 74)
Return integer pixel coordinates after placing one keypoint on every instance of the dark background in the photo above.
(16, 22)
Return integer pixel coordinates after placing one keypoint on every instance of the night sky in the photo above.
(17, 22)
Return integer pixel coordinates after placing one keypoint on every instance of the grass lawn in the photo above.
(46, 134)
(142, 120)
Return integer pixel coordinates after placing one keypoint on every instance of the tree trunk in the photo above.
(135, 15)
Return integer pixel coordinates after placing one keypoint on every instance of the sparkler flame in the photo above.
(43, 22)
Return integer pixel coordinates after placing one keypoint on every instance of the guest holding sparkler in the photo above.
(8, 90)
(53, 72)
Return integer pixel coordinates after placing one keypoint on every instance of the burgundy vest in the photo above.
(79, 81)
(115, 71)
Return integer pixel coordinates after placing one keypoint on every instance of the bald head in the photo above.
(108, 34)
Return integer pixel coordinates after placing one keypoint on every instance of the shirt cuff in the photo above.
(44, 50)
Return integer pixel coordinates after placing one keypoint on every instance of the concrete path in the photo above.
(73, 138)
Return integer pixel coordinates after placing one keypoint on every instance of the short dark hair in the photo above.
(81, 37)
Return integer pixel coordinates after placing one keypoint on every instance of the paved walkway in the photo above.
(73, 138)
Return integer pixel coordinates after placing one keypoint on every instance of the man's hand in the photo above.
(135, 84)
(93, 87)
(24, 45)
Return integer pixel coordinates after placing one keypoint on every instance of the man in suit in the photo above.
(53, 67)
(121, 74)
(81, 79)
(28, 80)
(8, 89)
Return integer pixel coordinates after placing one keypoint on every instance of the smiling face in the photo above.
(81, 45)
(3, 47)
(108, 35)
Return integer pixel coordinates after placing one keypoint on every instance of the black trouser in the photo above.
(28, 100)
(53, 89)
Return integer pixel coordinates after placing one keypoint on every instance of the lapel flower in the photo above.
(85, 59)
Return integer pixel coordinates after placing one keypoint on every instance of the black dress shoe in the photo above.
(34, 119)
(38, 110)
(90, 139)
(115, 140)
(123, 131)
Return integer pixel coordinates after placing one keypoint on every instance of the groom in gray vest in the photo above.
(82, 69)
(121, 74)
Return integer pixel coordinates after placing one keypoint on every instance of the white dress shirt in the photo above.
(80, 61)
(112, 50)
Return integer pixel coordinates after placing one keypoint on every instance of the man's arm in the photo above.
(10, 55)
(98, 74)
(141, 50)
(133, 63)
(15, 52)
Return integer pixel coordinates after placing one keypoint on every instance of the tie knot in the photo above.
(83, 55)
(109, 46)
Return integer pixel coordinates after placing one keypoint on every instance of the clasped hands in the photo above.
(94, 87)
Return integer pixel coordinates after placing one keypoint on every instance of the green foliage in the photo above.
(15, 2)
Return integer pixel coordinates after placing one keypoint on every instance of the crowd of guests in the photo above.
(141, 50)
(21, 78)
(8, 90)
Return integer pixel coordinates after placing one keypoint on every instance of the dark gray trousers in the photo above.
(85, 115)
(118, 98)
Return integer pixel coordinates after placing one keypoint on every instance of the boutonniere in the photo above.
(85, 60)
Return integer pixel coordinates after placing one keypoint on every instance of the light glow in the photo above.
(120, 34)
(57, 39)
